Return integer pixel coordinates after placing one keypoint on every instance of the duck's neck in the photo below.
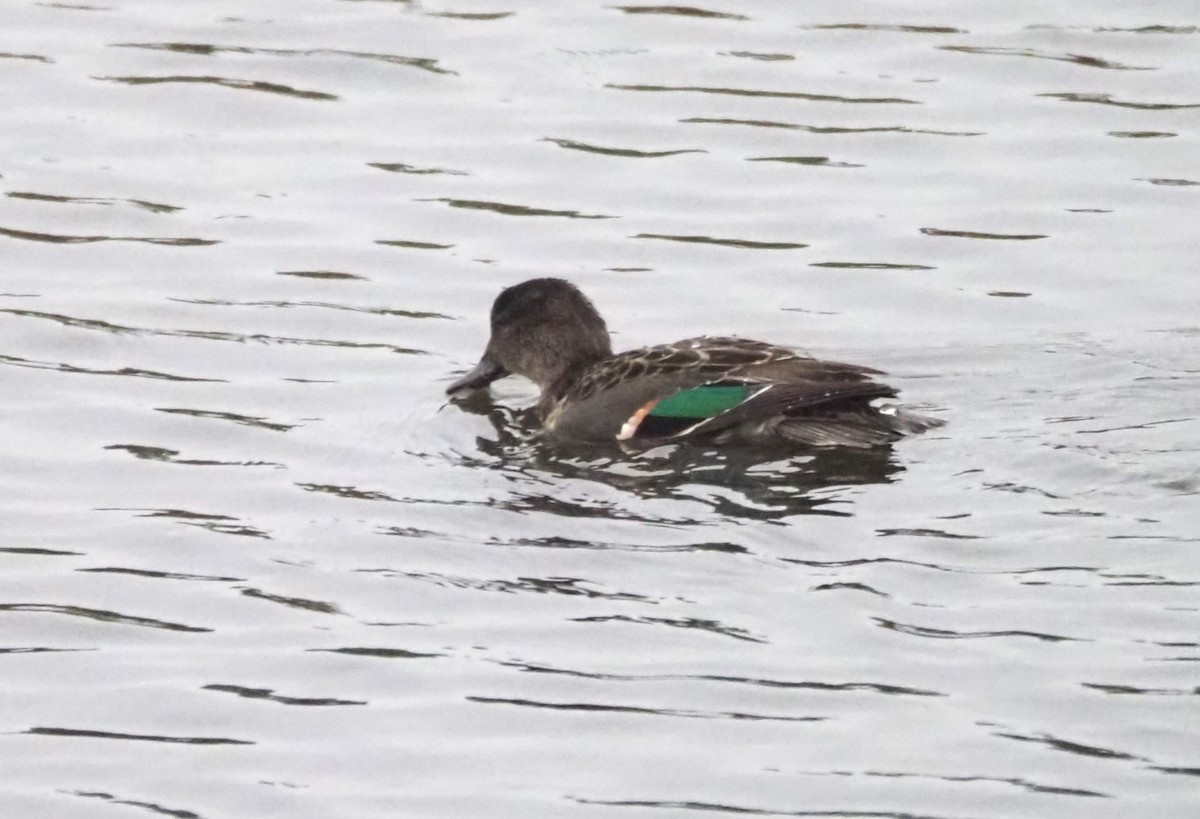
(569, 367)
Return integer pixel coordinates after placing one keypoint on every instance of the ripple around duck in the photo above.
(734, 484)
(171, 456)
(220, 524)
(233, 417)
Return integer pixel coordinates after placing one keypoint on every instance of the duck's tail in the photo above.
(855, 425)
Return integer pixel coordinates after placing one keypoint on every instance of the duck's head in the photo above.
(542, 329)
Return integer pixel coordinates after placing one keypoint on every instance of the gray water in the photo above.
(253, 563)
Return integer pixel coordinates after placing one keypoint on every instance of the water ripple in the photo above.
(160, 575)
(131, 372)
(156, 453)
(244, 420)
(514, 210)
(1077, 59)
(827, 129)
(402, 167)
(101, 615)
(221, 524)
(423, 63)
(697, 623)
(1107, 99)
(81, 733)
(681, 11)
(323, 305)
(634, 709)
(947, 634)
(744, 810)
(568, 586)
(413, 243)
(69, 239)
(153, 207)
(907, 29)
(208, 335)
(304, 604)
(1078, 748)
(745, 244)
(802, 685)
(224, 82)
(821, 161)
(8, 55)
(624, 152)
(381, 653)
(269, 695)
(974, 234)
(754, 92)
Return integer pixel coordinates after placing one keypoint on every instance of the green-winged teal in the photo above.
(714, 389)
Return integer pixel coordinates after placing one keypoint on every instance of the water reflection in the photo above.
(750, 483)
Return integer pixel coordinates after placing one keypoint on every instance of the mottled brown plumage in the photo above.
(547, 330)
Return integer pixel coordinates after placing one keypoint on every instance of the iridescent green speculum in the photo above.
(701, 402)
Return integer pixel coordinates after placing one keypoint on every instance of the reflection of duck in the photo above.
(738, 483)
(714, 389)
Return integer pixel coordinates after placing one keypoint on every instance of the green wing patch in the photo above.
(700, 402)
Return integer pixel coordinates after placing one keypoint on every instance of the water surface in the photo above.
(255, 564)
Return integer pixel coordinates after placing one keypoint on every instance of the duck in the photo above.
(712, 389)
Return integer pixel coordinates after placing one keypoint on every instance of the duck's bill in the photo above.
(484, 373)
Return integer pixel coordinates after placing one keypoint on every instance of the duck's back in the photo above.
(725, 389)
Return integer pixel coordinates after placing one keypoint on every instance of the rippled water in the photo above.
(253, 564)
